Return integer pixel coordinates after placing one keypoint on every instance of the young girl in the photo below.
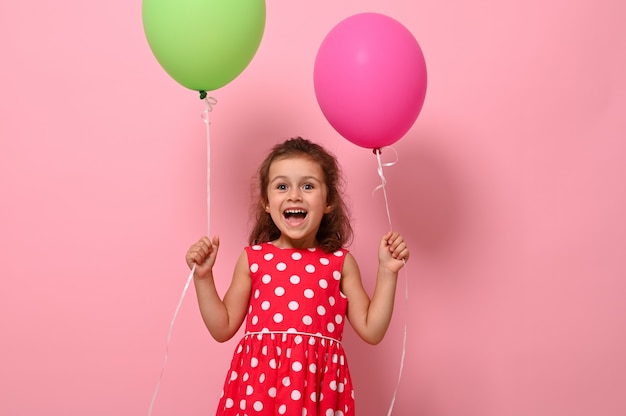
(294, 285)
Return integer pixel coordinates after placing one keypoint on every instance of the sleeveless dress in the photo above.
(290, 360)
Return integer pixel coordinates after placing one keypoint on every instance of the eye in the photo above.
(281, 187)
(308, 186)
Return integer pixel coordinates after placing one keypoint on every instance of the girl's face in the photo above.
(297, 200)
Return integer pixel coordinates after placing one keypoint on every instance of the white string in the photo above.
(209, 102)
(169, 336)
(383, 183)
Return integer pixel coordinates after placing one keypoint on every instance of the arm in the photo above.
(370, 318)
(222, 317)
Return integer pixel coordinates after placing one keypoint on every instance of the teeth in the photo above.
(295, 211)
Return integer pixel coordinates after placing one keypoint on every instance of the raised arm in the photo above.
(370, 318)
(222, 317)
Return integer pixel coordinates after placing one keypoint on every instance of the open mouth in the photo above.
(294, 216)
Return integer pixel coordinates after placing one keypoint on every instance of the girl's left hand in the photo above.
(393, 252)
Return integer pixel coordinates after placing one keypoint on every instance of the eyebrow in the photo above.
(304, 178)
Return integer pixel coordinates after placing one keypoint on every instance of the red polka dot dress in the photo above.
(291, 361)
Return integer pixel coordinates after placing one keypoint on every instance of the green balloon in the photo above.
(203, 44)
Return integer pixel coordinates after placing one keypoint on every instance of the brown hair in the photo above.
(335, 230)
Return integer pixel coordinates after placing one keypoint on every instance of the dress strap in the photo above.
(293, 333)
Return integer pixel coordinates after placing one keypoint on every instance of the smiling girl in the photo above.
(294, 285)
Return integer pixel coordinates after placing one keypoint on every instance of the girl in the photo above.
(294, 285)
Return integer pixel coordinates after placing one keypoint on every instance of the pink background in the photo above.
(509, 189)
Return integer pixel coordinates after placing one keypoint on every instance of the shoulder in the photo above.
(349, 263)
(242, 260)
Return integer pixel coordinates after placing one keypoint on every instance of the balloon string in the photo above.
(209, 102)
(383, 180)
(169, 336)
(383, 183)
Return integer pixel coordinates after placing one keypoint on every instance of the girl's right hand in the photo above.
(203, 254)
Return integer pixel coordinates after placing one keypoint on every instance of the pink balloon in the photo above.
(370, 79)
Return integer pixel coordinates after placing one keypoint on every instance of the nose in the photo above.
(294, 194)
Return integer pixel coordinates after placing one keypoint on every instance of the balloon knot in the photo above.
(202, 95)
(377, 151)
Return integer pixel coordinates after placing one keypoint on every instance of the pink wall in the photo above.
(509, 188)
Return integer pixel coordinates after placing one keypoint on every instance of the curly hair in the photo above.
(335, 229)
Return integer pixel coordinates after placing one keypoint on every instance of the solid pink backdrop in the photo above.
(509, 189)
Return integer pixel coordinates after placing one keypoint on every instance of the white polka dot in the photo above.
(265, 305)
(281, 266)
(296, 256)
(268, 256)
(278, 318)
(264, 350)
(312, 340)
(333, 385)
(321, 310)
(296, 395)
(307, 320)
(286, 381)
(255, 320)
(254, 267)
(310, 268)
(262, 378)
(338, 319)
(293, 305)
(249, 390)
(266, 278)
(324, 261)
(229, 403)
(335, 359)
(308, 293)
(312, 368)
(282, 409)
(245, 377)
(258, 406)
(338, 253)
(233, 376)
(279, 291)
(242, 404)
(273, 364)
(330, 412)
(323, 283)
(331, 327)
(298, 339)
(295, 279)
(256, 247)
(272, 392)
(337, 275)
(313, 397)
(254, 362)
(331, 300)
(257, 293)
(340, 387)
(296, 366)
